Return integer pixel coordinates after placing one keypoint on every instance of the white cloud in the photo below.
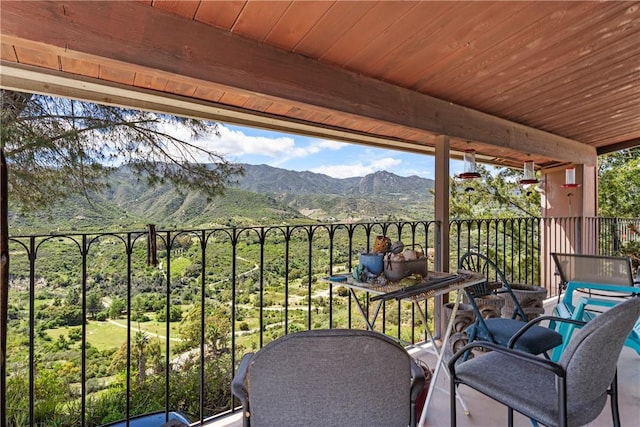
(344, 171)
(235, 144)
(424, 173)
(386, 163)
(358, 169)
(314, 147)
(331, 145)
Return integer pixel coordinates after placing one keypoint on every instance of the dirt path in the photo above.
(152, 334)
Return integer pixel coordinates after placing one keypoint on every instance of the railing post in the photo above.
(579, 231)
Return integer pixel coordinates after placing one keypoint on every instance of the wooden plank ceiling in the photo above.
(553, 82)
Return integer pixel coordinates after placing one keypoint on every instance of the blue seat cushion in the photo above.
(536, 340)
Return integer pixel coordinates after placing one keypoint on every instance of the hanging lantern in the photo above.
(470, 171)
(529, 176)
(570, 178)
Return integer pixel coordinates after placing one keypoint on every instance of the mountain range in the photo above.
(265, 195)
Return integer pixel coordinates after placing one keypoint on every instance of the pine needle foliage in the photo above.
(57, 147)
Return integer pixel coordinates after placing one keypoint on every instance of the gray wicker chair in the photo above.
(571, 392)
(329, 377)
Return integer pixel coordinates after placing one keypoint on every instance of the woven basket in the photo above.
(464, 316)
(490, 305)
(530, 297)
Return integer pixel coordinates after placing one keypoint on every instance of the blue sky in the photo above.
(301, 153)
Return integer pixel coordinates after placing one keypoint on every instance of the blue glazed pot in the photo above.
(372, 262)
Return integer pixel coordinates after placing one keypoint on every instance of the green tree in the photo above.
(143, 349)
(619, 193)
(59, 147)
(141, 340)
(94, 303)
(217, 327)
(154, 355)
(51, 391)
(73, 297)
(497, 194)
(116, 307)
(619, 184)
(175, 314)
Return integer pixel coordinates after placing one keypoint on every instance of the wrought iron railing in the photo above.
(190, 303)
(512, 243)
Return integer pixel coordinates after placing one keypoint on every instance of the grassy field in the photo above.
(112, 334)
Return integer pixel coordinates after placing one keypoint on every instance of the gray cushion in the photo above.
(532, 392)
(536, 340)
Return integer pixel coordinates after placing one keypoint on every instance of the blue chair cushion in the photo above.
(536, 340)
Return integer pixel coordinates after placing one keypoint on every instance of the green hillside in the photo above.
(265, 195)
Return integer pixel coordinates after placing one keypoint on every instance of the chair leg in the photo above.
(510, 417)
(613, 392)
(412, 417)
(452, 400)
(470, 339)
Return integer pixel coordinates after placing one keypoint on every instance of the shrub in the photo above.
(175, 314)
(342, 291)
(75, 334)
(631, 249)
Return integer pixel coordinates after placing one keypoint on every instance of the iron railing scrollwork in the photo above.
(266, 278)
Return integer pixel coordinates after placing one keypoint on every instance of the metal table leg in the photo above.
(440, 362)
(370, 324)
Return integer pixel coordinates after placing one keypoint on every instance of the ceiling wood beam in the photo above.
(624, 145)
(135, 36)
(47, 82)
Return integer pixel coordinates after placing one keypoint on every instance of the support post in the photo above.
(4, 284)
(441, 210)
(569, 217)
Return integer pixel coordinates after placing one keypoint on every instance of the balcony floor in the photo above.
(485, 412)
